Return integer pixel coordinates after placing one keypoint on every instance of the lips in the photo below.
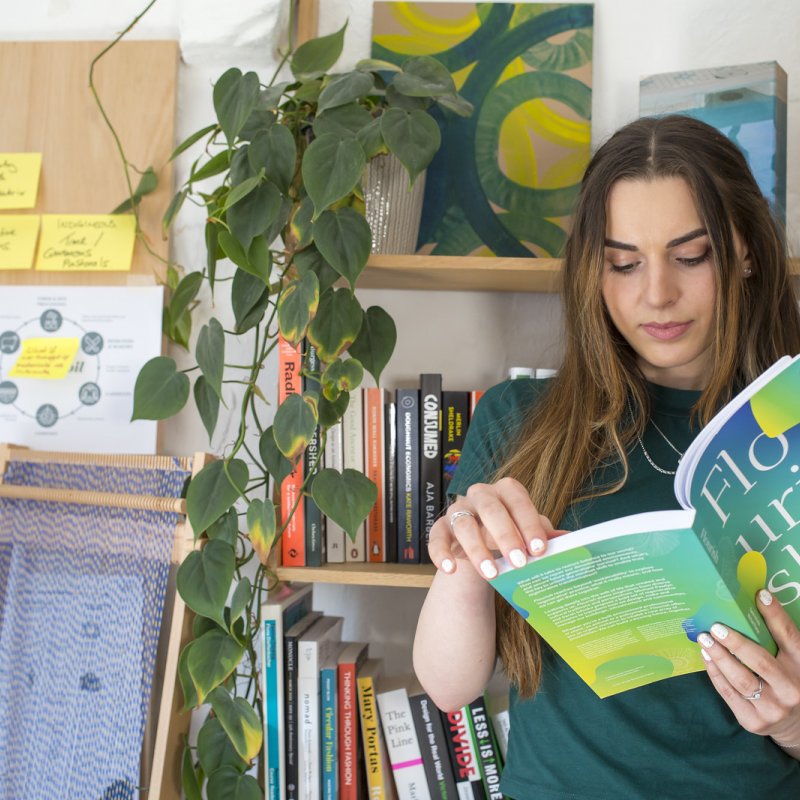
(664, 331)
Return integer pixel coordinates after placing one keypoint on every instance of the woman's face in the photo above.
(659, 281)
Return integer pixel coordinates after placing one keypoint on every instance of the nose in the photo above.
(661, 288)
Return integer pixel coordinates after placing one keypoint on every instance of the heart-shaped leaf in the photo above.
(413, 136)
(235, 97)
(331, 412)
(344, 238)
(375, 342)
(345, 497)
(240, 599)
(207, 402)
(297, 306)
(213, 491)
(254, 214)
(214, 656)
(342, 89)
(160, 390)
(300, 223)
(341, 376)
(276, 463)
(184, 293)
(424, 76)
(215, 165)
(173, 209)
(215, 750)
(317, 56)
(241, 190)
(311, 259)
(249, 298)
(345, 120)
(240, 722)
(204, 578)
(371, 139)
(336, 325)
(190, 140)
(332, 166)
(275, 152)
(187, 687)
(190, 782)
(225, 528)
(376, 65)
(294, 425)
(228, 784)
(210, 354)
(261, 527)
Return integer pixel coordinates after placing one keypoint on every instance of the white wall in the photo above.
(470, 338)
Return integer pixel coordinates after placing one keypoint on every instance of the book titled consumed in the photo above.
(622, 602)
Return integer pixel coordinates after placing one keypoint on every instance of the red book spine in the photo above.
(293, 540)
(348, 733)
(373, 446)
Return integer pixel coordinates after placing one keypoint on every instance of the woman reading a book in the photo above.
(676, 296)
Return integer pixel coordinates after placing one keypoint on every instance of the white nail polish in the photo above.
(447, 565)
(489, 569)
(705, 640)
(537, 546)
(706, 656)
(765, 597)
(517, 558)
(720, 631)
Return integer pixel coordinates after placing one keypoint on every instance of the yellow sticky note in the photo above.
(46, 358)
(19, 179)
(18, 234)
(86, 242)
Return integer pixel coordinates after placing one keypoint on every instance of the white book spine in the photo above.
(501, 721)
(353, 446)
(334, 459)
(402, 745)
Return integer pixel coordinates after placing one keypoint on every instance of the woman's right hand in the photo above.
(492, 519)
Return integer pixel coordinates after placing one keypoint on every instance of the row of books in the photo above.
(408, 443)
(337, 729)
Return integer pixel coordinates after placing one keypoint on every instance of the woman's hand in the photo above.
(762, 690)
(491, 518)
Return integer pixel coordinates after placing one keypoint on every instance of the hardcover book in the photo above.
(430, 462)
(486, 747)
(463, 755)
(351, 754)
(408, 500)
(623, 602)
(455, 421)
(334, 459)
(312, 459)
(380, 784)
(374, 468)
(353, 443)
(390, 470)
(329, 722)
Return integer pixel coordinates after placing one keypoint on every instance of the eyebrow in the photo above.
(687, 237)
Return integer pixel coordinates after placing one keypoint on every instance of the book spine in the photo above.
(349, 744)
(293, 544)
(430, 463)
(474, 396)
(374, 470)
(375, 760)
(455, 419)
(390, 469)
(334, 459)
(462, 755)
(408, 533)
(314, 519)
(329, 710)
(309, 732)
(501, 722)
(353, 439)
(486, 748)
(291, 647)
(433, 745)
(403, 746)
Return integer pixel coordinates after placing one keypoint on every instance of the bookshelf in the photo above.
(412, 576)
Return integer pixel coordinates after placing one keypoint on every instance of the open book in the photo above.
(622, 602)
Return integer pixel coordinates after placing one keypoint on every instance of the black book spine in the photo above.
(314, 518)
(408, 519)
(390, 476)
(433, 744)
(486, 747)
(455, 419)
(430, 462)
(462, 754)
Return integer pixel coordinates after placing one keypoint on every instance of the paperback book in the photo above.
(623, 601)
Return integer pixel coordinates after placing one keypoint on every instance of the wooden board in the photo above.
(307, 16)
(47, 107)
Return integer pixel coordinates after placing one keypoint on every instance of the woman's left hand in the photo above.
(762, 690)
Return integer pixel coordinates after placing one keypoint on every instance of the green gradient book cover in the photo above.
(622, 602)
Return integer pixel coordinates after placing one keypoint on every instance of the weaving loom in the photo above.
(88, 546)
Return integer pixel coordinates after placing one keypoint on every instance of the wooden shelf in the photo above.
(412, 576)
(470, 273)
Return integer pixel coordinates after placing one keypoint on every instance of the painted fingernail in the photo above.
(706, 656)
(765, 597)
(720, 631)
(536, 546)
(447, 565)
(518, 558)
(705, 640)
(489, 569)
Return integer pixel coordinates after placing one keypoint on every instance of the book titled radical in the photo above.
(622, 602)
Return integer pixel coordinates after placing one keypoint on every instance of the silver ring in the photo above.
(458, 514)
(757, 693)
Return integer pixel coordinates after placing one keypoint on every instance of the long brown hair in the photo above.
(581, 420)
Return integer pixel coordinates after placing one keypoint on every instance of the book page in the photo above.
(624, 609)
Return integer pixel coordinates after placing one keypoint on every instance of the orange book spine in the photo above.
(474, 396)
(373, 439)
(293, 540)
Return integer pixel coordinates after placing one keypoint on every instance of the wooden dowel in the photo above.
(107, 499)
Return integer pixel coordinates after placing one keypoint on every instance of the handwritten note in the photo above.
(18, 234)
(86, 242)
(46, 358)
(19, 179)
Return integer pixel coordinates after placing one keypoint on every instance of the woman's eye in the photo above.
(693, 261)
(623, 267)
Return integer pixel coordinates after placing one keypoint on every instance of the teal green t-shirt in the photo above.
(672, 739)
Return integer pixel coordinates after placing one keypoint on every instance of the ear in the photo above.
(747, 265)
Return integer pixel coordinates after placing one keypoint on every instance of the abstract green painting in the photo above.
(505, 179)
